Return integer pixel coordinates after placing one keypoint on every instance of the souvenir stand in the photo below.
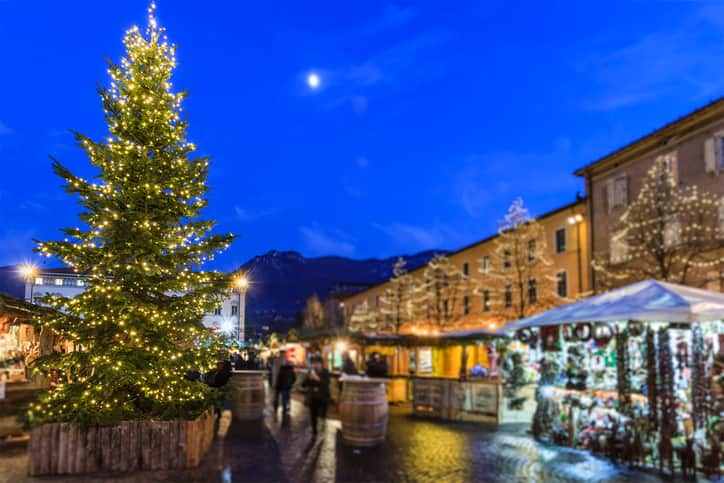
(635, 373)
(20, 345)
(490, 384)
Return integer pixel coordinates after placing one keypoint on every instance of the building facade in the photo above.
(228, 317)
(565, 230)
(693, 148)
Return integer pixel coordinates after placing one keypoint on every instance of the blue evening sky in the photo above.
(431, 117)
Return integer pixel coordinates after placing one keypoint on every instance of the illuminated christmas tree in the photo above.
(441, 297)
(136, 330)
(669, 232)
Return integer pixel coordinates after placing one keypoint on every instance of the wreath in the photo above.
(525, 335)
(583, 332)
(602, 334)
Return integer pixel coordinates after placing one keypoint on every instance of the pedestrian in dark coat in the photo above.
(317, 383)
(285, 381)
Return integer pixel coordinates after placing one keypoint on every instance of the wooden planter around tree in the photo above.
(65, 449)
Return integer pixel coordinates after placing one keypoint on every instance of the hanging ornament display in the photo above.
(667, 403)
(550, 336)
(699, 387)
(635, 327)
(651, 383)
(602, 334)
(583, 332)
(623, 371)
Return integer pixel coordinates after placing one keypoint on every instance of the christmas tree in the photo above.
(136, 330)
(440, 299)
(669, 232)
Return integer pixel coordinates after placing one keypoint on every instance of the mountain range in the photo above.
(281, 281)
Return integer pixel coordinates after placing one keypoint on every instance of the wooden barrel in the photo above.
(249, 394)
(363, 411)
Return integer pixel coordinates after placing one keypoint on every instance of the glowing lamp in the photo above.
(28, 270)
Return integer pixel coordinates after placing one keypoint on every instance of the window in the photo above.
(466, 304)
(377, 300)
(59, 281)
(80, 282)
(506, 258)
(531, 250)
(714, 153)
(721, 218)
(508, 296)
(485, 264)
(38, 280)
(466, 269)
(561, 240)
(446, 307)
(68, 282)
(618, 249)
(562, 284)
(671, 163)
(486, 300)
(234, 310)
(616, 192)
(217, 311)
(532, 291)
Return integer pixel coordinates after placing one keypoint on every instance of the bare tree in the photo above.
(394, 304)
(669, 232)
(314, 313)
(518, 277)
(363, 319)
(439, 299)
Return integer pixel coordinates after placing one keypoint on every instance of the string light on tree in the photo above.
(137, 327)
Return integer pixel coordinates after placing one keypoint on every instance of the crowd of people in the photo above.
(282, 378)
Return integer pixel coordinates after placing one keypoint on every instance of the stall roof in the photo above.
(647, 301)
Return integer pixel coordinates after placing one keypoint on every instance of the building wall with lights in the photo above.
(227, 317)
(693, 147)
(566, 224)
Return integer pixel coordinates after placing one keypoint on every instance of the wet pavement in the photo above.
(282, 450)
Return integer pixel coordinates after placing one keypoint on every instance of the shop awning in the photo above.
(647, 301)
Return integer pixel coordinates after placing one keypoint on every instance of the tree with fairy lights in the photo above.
(440, 299)
(136, 330)
(669, 232)
(518, 275)
(396, 304)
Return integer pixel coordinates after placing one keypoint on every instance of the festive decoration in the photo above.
(520, 277)
(667, 408)
(136, 329)
(652, 387)
(669, 232)
(700, 391)
(515, 379)
(397, 304)
(623, 371)
(439, 300)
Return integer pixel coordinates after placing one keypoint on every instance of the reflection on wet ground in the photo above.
(282, 450)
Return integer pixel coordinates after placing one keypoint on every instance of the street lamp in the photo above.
(241, 284)
(28, 272)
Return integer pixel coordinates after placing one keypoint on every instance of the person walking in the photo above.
(317, 382)
(284, 382)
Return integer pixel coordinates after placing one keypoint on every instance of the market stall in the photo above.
(634, 373)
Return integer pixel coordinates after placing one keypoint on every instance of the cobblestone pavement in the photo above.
(415, 451)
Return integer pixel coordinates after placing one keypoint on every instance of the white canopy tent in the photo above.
(647, 301)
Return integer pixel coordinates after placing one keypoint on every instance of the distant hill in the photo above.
(281, 281)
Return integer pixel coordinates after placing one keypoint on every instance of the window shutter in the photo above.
(710, 155)
(721, 217)
(624, 192)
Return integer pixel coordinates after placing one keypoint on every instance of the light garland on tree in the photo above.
(670, 233)
(137, 327)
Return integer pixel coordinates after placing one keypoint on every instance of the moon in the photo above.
(313, 80)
